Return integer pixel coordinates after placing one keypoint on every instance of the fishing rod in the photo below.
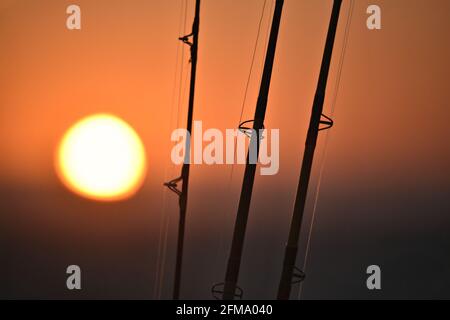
(184, 178)
(230, 288)
(291, 274)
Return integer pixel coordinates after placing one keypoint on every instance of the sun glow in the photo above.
(101, 157)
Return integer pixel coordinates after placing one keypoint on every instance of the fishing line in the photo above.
(263, 227)
(182, 64)
(266, 41)
(162, 250)
(250, 73)
(253, 61)
(327, 138)
(165, 221)
(230, 179)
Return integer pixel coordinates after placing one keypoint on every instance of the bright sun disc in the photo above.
(101, 157)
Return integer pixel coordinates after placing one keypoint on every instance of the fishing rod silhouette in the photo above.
(291, 274)
(229, 289)
(184, 178)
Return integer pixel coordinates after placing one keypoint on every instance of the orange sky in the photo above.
(123, 62)
(391, 113)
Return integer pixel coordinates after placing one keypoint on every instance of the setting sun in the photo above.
(101, 157)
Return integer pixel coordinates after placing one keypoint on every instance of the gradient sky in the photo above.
(384, 193)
